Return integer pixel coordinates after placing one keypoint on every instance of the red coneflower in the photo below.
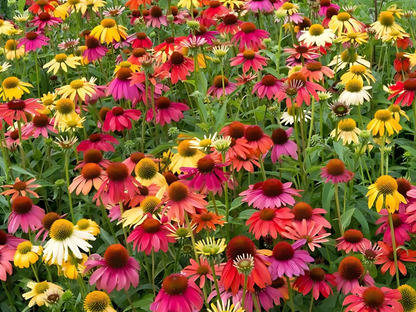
(324, 5)
(248, 161)
(98, 141)
(249, 37)
(312, 232)
(17, 109)
(304, 211)
(167, 111)
(44, 19)
(405, 91)
(93, 156)
(269, 221)
(234, 130)
(166, 48)
(41, 6)
(317, 281)
(207, 220)
(401, 226)
(141, 40)
(401, 65)
(230, 24)
(352, 240)
(304, 52)
(257, 139)
(122, 86)
(119, 119)
(250, 60)
(386, 258)
(282, 145)
(373, 299)
(201, 271)
(32, 41)
(135, 4)
(136, 56)
(39, 126)
(179, 66)
(350, 273)
(215, 8)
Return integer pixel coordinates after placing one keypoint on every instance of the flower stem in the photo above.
(8, 294)
(312, 121)
(130, 301)
(244, 290)
(393, 242)
(153, 272)
(105, 216)
(263, 172)
(256, 304)
(289, 287)
(214, 275)
(35, 272)
(311, 306)
(67, 184)
(341, 230)
(188, 224)
(22, 151)
(124, 229)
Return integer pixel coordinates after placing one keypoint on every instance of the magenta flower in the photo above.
(250, 60)
(217, 89)
(95, 51)
(167, 111)
(324, 5)
(258, 6)
(17, 109)
(400, 225)
(282, 145)
(270, 194)
(317, 281)
(156, 18)
(268, 86)
(44, 20)
(373, 299)
(119, 119)
(33, 40)
(350, 273)
(116, 270)
(249, 37)
(121, 87)
(208, 176)
(140, 40)
(230, 24)
(289, 260)
(98, 141)
(352, 240)
(6, 257)
(10, 241)
(25, 215)
(336, 172)
(39, 126)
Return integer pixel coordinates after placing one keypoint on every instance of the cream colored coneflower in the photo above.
(347, 131)
(355, 92)
(357, 72)
(344, 22)
(317, 35)
(62, 61)
(386, 24)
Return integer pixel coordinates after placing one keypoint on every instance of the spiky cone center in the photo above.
(178, 191)
(170, 177)
(370, 255)
(61, 229)
(394, 109)
(42, 3)
(10, 45)
(358, 69)
(302, 211)
(354, 85)
(177, 58)
(218, 81)
(117, 111)
(396, 220)
(240, 245)
(272, 187)
(185, 149)
(24, 248)
(340, 109)
(408, 300)
(335, 167)
(22, 204)
(317, 274)
(206, 216)
(117, 171)
(267, 214)
(386, 185)
(40, 121)
(314, 66)
(124, 73)
(403, 185)
(116, 256)
(348, 57)
(41, 287)
(373, 297)
(137, 156)
(92, 42)
(149, 204)
(236, 130)
(230, 19)
(249, 54)
(11, 83)
(108, 23)
(73, 2)
(96, 301)
(60, 58)
(205, 164)
(316, 30)
(93, 156)
(279, 136)
(146, 169)
(347, 125)
(343, 16)
(353, 236)
(151, 225)
(386, 19)
(268, 80)
(253, 133)
(410, 84)
(298, 77)
(14, 135)
(287, 6)
(48, 219)
(279, 282)
(163, 102)
(95, 137)
(248, 27)
(352, 35)
(175, 284)
(91, 171)
(44, 16)
(203, 270)
(351, 268)
(16, 104)
(144, 190)
(103, 112)
(283, 251)
(156, 12)
(139, 52)
(65, 106)
(31, 35)
(83, 224)
(3, 237)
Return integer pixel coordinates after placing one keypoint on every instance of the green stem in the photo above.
(393, 241)
(67, 184)
(311, 305)
(124, 229)
(214, 275)
(37, 71)
(312, 121)
(153, 272)
(289, 287)
(256, 303)
(188, 224)
(263, 172)
(9, 297)
(244, 290)
(35, 272)
(22, 151)
(341, 230)
(279, 43)
(130, 301)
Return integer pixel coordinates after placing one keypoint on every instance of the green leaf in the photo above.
(246, 214)
(236, 203)
(346, 217)
(339, 149)
(358, 215)
(162, 147)
(21, 170)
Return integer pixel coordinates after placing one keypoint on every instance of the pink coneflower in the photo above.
(230, 24)
(336, 172)
(150, 235)
(201, 37)
(270, 194)
(91, 175)
(250, 60)
(25, 215)
(44, 19)
(289, 260)
(47, 221)
(312, 232)
(141, 41)
(177, 293)
(122, 87)
(258, 6)
(304, 211)
(269, 221)
(145, 191)
(373, 299)
(93, 156)
(239, 148)
(179, 66)
(20, 188)
(167, 111)
(68, 44)
(117, 182)
(231, 278)
(156, 18)
(201, 271)
(282, 145)
(98, 141)
(324, 5)
(217, 88)
(245, 78)
(257, 139)
(17, 109)
(352, 240)
(400, 225)
(315, 71)
(268, 86)
(404, 90)
(411, 216)
(137, 55)
(116, 270)
(249, 37)
(208, 176)
(317, 281)
(12, 139)
(6, 257)
(300, 52)
(118, 119)
(33, 40)
(10, 241)
(215, 8)
(247, 162)
(95, 51)
(350, 273)
(39, 126)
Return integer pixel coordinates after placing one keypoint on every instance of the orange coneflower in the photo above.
(207, 220)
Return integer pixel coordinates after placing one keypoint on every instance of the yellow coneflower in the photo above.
(37, 293)
(397, 111)
(225, 307)
(412, 58)
(79, 87)
(204, 144)
(233, 4)
(26, 254)
(353, 38)
(108, 31)
(180, 231)
(13, 88)
(357, 72)
(393, 36)
(98, 301)
(408, 300)
(48, 101)
(62, 61)
(386, 24)
(64, 107)
(348, 58)
(5, 26)
(385, 188)
(74, 5)
(317, 35)
(347, 131)
(61, 11)
(94, 5)
(289, 8)
(136, 216)
(147, 172)
(188, 4)
(21, 17)
(395, 11)
(71, 122)
(344, 21)
(88, 225)
(355, 92)
(12, 51)
(383, 121)
(210, 247)
(74, 266)
(186, 156)
(133, 67)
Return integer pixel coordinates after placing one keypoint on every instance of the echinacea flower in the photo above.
(269, 221)
(17, 109)
(303, 51)
(93, 156)
(25, 215)
(109, 30)
(210, 248)
(77, 90)
(13, 88)
(350, 274)
(230, 24)
(355, 92)
(303, 211)
(156, 18)
(201, 271)
(20, 188)
(98, 141)
(336, 172)
(386, 258)
(347, 131)
(179, 66)
(384, 122)
(325, 5)
(221, 87)
(312, 232)
(385, 188)
(250, 60)
(400, 225)
(317, 35)
(373, 299)
(225, 307)
(12, 51)
(352, 240)
(317, 281)
(249, 37)
(94, 51)
(386, 24)
(91, 175)
(6, 256)
(344, 22)
(40, 125)
(147, 173)
(257, 139)
(118, 119)
(5, 27)
(32, 41)
(315, 71)
(26, 254)
(62, 61)
(167, 111)
(88, 225)
(177, 291)
(187, 156)
(150, 206)
(348, 58)
(47, 221)
(268, 86)
(116, 270)
(408, 300)
(98, 301)
(37, 292)
(282, 145)
(405, 92)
